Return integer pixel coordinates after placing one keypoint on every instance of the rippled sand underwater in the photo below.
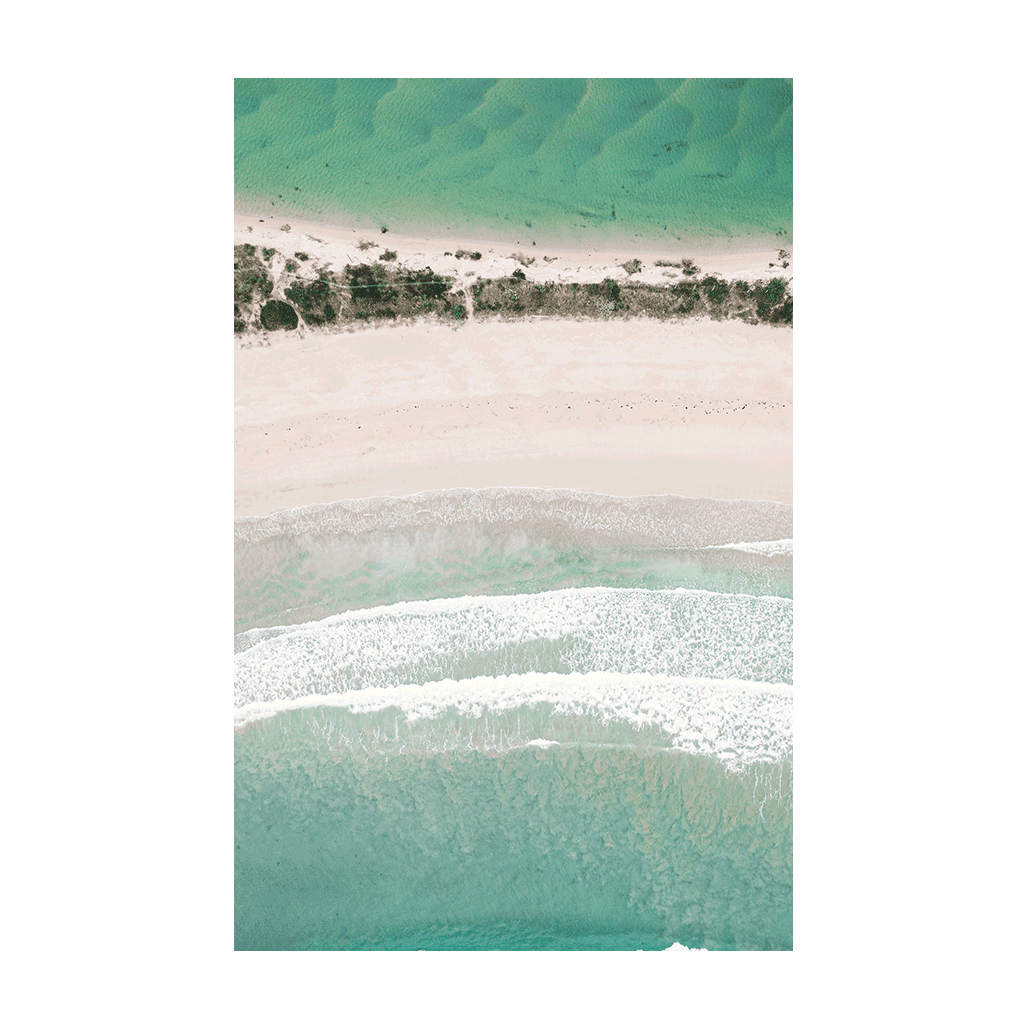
(580, 766)
(574, 161)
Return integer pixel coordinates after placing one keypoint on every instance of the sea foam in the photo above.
(671, 632)
(739, 723)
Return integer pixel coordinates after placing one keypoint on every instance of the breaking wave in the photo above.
(514, 719)
(675, 632)
(306, 564)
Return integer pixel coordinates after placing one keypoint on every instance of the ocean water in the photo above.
(596, 162)
(438, 749)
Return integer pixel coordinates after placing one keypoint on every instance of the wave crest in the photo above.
(675, 632)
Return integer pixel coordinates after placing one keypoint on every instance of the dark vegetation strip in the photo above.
(374, 292)
(768, 302)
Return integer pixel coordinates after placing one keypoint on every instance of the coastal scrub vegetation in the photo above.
(252, 284)
(396, 292)
(317, 301)
(276, 314)
(514, 297)
(359, 293)
(689, 267)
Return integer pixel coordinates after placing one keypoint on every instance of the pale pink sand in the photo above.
(336, 247)
(698, 408)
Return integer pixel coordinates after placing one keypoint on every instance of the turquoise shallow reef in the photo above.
(572, 161)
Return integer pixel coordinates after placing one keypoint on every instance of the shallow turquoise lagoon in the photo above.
(530, 161)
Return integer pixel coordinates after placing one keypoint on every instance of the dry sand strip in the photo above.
(335, 247)
(694, 408)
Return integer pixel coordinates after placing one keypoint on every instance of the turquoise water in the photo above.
(288, 581)
(452, 753)
(576, 846)
(544, 161)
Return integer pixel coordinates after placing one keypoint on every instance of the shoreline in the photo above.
(336, 246)
(539, 238)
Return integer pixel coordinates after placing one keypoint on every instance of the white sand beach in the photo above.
(695, 408)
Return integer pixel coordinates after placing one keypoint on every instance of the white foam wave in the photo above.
(666, 520)
(767, 548)
(669, 631)
(739, 723)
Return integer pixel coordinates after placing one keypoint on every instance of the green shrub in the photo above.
(716, 289)
(369, 283)
(302, 256)
(388, 255)
(276, 314)
(313, 298)
(770, 295)
(608, 290)
(471, 256)
(689, 267)
(269, 252)
(689, 297)
(251, 276)
(632, 266)
(292, 266)
(423, 283)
